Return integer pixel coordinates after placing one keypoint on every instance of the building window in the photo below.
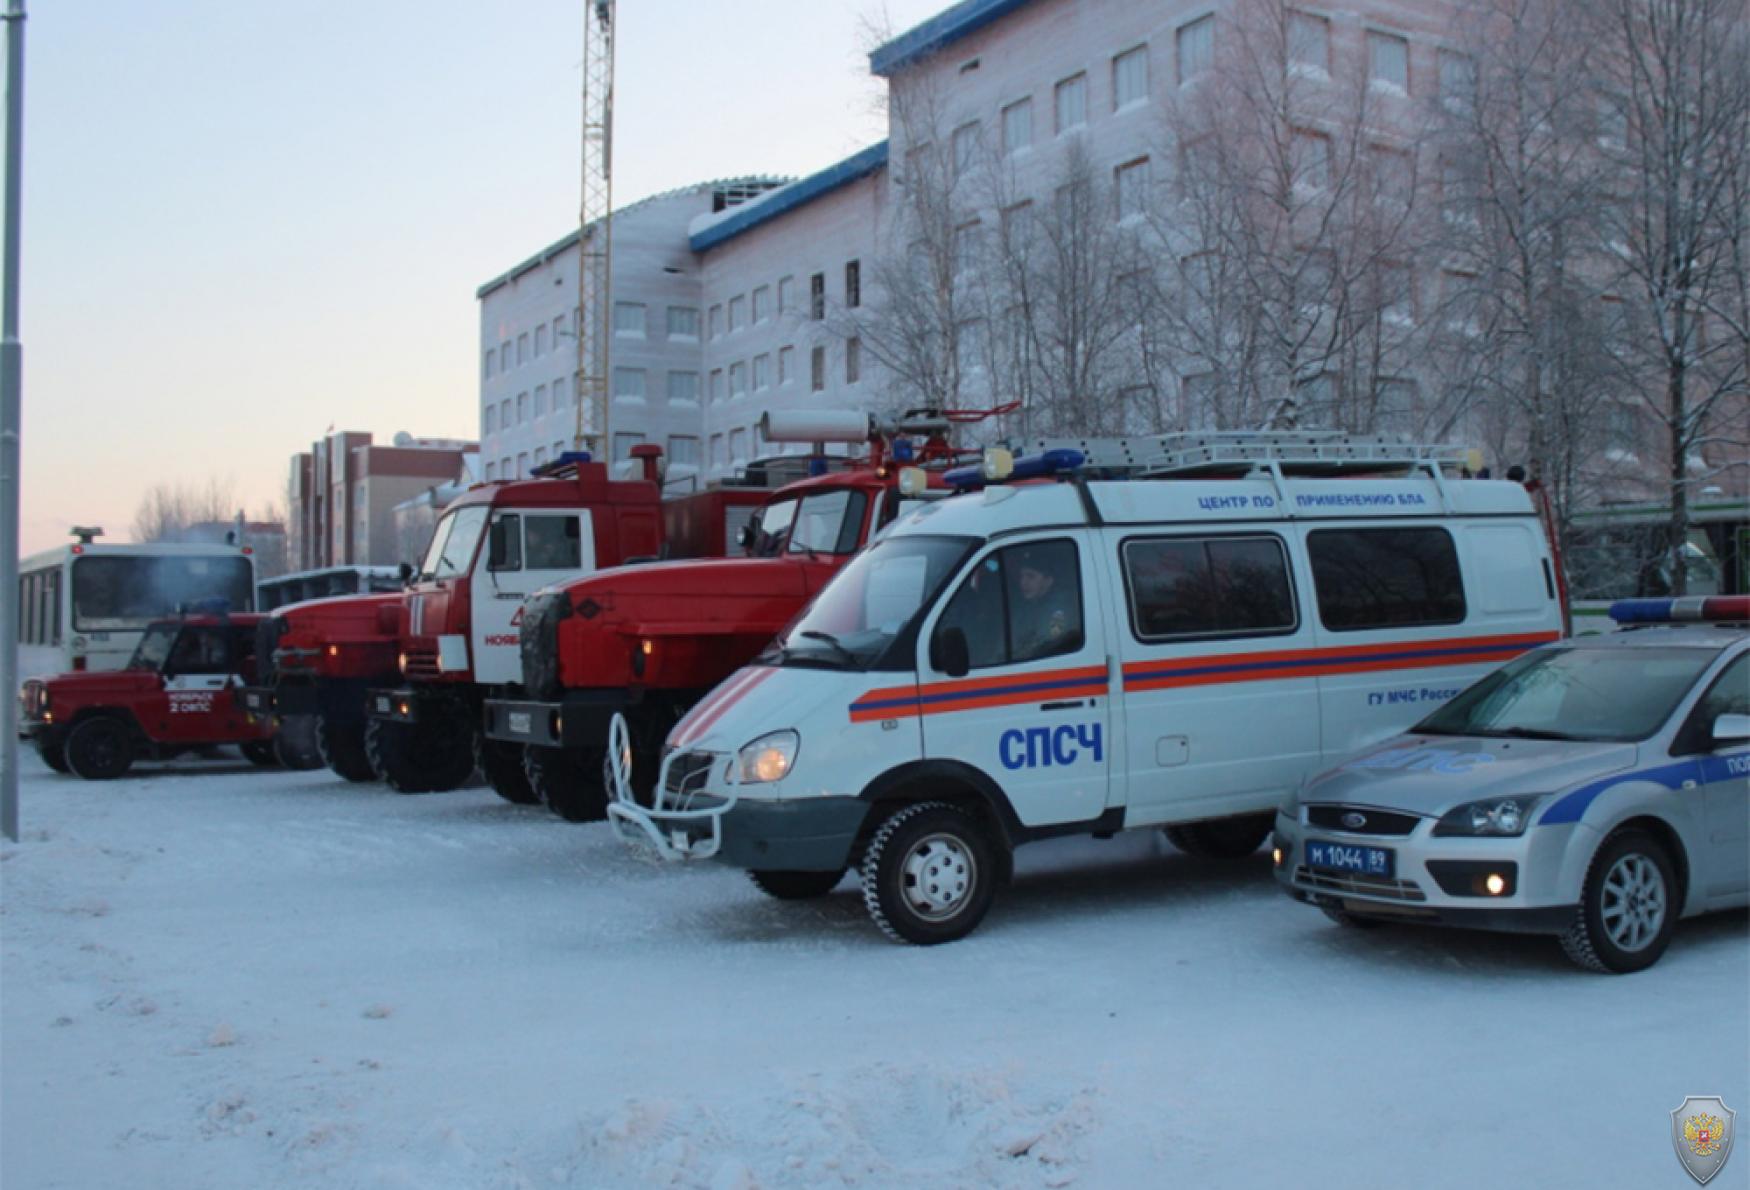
(965, 148)
(522, 347)
(504, 468)
(522, 462)
(558, 393)
(504, 413)
(716, 321)
(683, 322)
(490, 421)
(1130, 77)
(1072, 103)
(737, 446)
(629, 319)
(1393, 173)
(853, 284)
(1397, 293)
(737, 312)
(629, 385)
(786, 364)
(491, 472)
(762, 303)
(623, 444)
(683, 449)
(1130, 187)
(1196, 45)
(522, 408)
(966, 245)
(683, 388)
(786, 298)
(540, 454)
(486, 365)
(540, 399)
(817, 296)
(1458, 81)
(1017, 227)
(1309, 42)
(717, 457)
(853, 360)
(558, 330)
(541, 339)
(1311, 159)
(1388, 61)
(1018, 126)
(716, 385)
(817, 369)
(504, 358)
(762, 372)
(737, 380)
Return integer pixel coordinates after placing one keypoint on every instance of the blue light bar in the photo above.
(1031, 467)
(1691, 609)
(569, 458)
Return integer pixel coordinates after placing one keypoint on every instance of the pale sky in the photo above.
(244, 221)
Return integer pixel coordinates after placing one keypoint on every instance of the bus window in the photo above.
(121, 591)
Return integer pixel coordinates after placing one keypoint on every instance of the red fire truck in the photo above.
(649, 641)
(178, 692)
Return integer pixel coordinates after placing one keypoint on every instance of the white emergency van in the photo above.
(1103, 635)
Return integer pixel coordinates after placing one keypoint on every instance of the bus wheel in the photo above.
(568, 781)
(342, 748)
(431, 756)
(260, 753)
(100, 749)
(929, 874)
(501, 764)
(1221, 838)
(54, 755)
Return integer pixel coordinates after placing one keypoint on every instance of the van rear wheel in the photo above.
(100, 749)
(1221, 838)
(568, 781)
(929, 874)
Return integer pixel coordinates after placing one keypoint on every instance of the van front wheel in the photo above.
(929, 874)
(1221, 838)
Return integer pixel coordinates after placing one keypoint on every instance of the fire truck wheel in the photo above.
(929, 874)
(260, 752)
(431, 756)
(294, 744)
(100, 749)
(568, 781)
(342, 748)
(796, 886)
(1222, 838)
(501, 763)
(54, 755)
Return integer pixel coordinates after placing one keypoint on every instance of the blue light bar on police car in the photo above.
(1687, 609)
(1031, 467)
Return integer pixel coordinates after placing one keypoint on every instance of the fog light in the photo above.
(1276, 856)
(1495, 884)
(334, 650)
(649, 647)
(405, 708)
(401, 664)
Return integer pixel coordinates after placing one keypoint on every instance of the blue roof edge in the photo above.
(788, 198)
(939, 31)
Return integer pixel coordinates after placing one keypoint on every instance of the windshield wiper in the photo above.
(1528, 733)
(832, 642)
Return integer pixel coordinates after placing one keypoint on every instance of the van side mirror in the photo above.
(949, 653)
(1731, 729)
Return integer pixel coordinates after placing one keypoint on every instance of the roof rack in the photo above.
(1239, 452)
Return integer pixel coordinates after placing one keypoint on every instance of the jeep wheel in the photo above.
(796, 886)
(568, 781)
(434, 755)
(100, 749)
(1221, 838)
(501, 763)
(54, 755)
(1628, 908)
(929, 874)
(342, 748)
(260, 753)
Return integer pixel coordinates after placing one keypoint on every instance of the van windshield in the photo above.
(869, 603)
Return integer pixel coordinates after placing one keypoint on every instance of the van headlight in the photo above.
(768, 758)
(1498, 817)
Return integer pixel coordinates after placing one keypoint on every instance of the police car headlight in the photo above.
(1499, 817)
(769, 757)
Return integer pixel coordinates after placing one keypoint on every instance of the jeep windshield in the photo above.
(870, 603)
(154, 647)
(452, 543)
(1581, 693)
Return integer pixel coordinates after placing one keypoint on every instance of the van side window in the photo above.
(1385, 578)
(1022, 603)
(1218, 586)
(551, 543)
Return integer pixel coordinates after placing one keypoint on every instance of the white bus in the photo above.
(83, 606)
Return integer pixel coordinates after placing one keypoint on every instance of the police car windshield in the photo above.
(1574, 693)
(858, 614)
(154, 648)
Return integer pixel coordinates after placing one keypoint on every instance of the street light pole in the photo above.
(11, 419)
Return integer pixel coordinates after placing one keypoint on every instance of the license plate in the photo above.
(255, 702)
(520, 723)
(1347, 857)
(382, 706)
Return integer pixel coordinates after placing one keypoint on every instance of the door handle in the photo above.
(1063, 706)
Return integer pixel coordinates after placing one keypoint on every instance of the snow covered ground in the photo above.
(218, 977)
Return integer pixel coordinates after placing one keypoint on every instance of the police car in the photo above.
(1597, 790)
(1103, 635)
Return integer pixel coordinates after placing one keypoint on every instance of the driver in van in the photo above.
(1046, 616)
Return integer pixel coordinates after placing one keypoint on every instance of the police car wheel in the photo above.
(796, 886)
(929, 874)
(1628, 908)
(1350, 920)
(100, 749)
(1222, 838)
